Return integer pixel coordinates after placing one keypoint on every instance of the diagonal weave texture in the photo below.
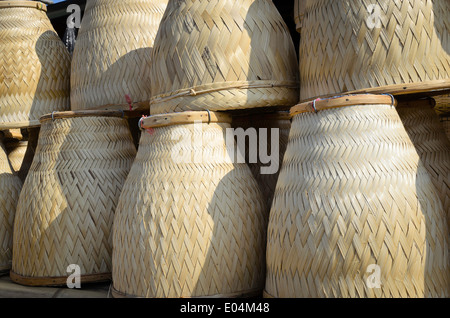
(188, 229)
(261, 123)
(352, 192)
(9, 195)
(426, 133)
(112, 56)
(217, 55)
(66, 208)
(34, 67)
(16, 152)
(340, 51)
(21, 154)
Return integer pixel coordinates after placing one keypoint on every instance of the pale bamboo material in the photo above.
(219, 55)
(343, 48)
(281, 121)
(190, 228)
(66, 207)
(112, 56)
(353, 193)
(425, 130)
(35, 65)
(10, 186)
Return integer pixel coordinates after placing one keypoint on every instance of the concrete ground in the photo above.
(8, 289)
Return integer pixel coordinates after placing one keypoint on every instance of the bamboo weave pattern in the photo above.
(353, 193)
(217, 55)
(112, 57)
(340, 51)
(66, 208)
(431, 143)
(34, 66)
(11, 186)
(188, 229)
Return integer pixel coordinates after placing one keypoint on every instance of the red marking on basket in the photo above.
(151, 131)
(129, 101)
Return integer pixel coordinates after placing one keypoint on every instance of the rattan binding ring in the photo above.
(164, 120)
(27, 4)
(342, 101)
(83, 113)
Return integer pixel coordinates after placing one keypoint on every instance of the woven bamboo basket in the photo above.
(263, 125)
(353, 45)
(116, 37)
(21, 153)
(10, 186)
(216, 55)
(35, 65)
(354, 207)
(188, 226)
(425, 131)
(66, 207)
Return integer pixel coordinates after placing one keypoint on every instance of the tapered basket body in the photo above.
(190, 222)
(222, 54)
(112, 56)
(355, 45)
(355, 213)
(66, 208)
(35, 65)
(9, 196)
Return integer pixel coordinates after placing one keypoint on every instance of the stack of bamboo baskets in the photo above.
(361, 204)
(191, 221)
(34, 65)
(66, 206)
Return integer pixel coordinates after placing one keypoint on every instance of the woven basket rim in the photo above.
(222, 86)
(188, 117)
(82, 113)
(343, 101)
(24, 4)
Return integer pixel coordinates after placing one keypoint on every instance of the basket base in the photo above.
(57, 281)
(244, 294)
